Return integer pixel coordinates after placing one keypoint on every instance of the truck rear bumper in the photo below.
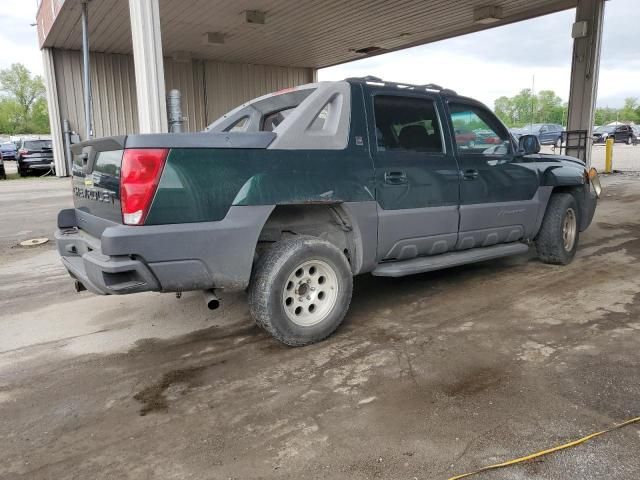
(102, 274)
(114, 259)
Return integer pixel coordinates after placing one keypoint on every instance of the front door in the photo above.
(416, 176)
(499, 197)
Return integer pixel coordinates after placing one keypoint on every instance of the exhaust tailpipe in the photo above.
(211, 299)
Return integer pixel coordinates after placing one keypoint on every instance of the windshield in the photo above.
(37, 144)
(605, 129)
(7, 146)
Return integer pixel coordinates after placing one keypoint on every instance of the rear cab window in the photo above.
(263, 114)
(37, 144)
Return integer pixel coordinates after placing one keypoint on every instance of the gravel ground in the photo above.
(430, 375)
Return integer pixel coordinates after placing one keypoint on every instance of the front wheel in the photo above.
(301, 290)
(557, 240)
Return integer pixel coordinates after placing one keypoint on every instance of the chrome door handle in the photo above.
(395, 178)
(471, 174)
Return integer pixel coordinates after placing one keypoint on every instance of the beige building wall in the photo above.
(209, 89)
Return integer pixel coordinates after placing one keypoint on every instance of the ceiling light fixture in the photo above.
(213, 38)
(487, 15)
(254, 17)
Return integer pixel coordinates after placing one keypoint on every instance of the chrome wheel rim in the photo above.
(569, 228)
(310, 292)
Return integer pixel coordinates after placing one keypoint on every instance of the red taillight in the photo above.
(139, 177)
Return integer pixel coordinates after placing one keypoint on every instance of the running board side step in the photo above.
(446, 260)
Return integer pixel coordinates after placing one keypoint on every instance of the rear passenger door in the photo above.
(416, 176)
(499, 198)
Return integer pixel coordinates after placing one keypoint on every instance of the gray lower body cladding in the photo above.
(109, 258)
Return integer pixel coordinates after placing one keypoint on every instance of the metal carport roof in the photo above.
(301, 33)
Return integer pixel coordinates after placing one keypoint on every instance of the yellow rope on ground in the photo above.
(546, 452)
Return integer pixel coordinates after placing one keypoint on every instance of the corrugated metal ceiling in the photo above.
(307, 33)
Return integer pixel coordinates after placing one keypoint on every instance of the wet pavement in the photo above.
(429, 376)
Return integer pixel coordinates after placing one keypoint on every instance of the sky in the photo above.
(504, 60)
(483, 65)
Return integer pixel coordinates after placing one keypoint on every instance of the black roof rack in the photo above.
(368, 78)
(406, 86)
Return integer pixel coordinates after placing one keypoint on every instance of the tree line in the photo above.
(23, 104)
(547, 107)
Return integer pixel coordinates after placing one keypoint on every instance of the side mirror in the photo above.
(528, 144)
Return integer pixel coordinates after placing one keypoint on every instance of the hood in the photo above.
(566, 159)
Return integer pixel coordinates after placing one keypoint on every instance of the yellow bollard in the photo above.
(608, 156)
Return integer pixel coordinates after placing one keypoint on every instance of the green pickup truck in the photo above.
(292, 194)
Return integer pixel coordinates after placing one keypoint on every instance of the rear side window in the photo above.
(407, 123)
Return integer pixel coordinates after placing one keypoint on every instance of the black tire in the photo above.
(270, 281)
(630, 141)
(558, 143)
(550, 241)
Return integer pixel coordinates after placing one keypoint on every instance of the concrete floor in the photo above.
(626, 158)
(429, 376)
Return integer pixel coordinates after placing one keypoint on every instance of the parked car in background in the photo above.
(620, 133)
(547, 133)
(7, 151)
(600, 134)
(465, 137)
(34, 155)
(487, 137)
(636, 133)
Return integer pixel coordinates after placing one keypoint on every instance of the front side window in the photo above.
(407, 124)
(478, 131)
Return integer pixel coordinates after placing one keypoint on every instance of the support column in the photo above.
(584, 69)
(86, 73)
(149, 66)
(54, 112)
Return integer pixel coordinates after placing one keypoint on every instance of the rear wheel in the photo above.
(630, 141)
(558, 142)
(301, 290)
(557, 240)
